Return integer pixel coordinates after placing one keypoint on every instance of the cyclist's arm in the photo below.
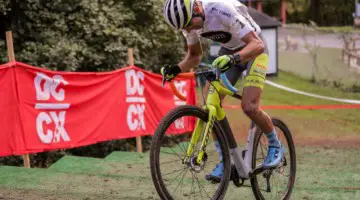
(192, 58)
(254, 47)
(241, 25)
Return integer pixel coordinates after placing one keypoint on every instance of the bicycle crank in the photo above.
(238, 182)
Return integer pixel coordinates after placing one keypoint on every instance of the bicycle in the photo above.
(195, 154)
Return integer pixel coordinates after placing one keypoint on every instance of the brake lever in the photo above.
(163, 80)
(217, 73)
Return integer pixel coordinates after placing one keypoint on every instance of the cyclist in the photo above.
(243, 48)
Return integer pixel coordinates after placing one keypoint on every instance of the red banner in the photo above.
(47, 110)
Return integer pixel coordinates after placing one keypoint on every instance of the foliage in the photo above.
(335, 12)
(323, 12)
(297, 10)
(85, 35)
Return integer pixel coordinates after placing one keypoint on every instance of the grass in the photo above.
(321, 174)
(331, 68)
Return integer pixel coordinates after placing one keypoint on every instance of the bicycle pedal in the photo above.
(258, 170)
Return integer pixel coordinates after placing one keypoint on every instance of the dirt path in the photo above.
(315, 133)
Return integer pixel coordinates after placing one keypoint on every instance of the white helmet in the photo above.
(178, 13)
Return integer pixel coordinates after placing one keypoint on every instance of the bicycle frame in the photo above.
(217, 113)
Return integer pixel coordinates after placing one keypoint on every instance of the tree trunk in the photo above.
(315, 12)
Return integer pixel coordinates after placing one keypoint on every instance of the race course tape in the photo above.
(353, 103)
(312, 95)
(303, 107)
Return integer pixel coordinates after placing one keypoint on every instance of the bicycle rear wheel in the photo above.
(282, 178)
(174, 179)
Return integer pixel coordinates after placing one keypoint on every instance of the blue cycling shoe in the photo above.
(274, 157)
(216, 174)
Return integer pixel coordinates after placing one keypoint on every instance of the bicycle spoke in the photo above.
(182, 178)
(177, 170)
(167, 162)
(200, 192)
(181, 189)
(191, 190)
(173, 179)
(174, 153)
(182, 147)
(205, 175)
(169, 153)
(200, 185)
(177, 143)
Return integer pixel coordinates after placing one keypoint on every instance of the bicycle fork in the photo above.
(198, 132)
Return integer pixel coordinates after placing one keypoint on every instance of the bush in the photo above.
(84, 35)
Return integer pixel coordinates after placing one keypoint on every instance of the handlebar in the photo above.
(228, 84)
(173, 87)
(210, 74)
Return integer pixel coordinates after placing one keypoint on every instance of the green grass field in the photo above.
(321, 174)
(327, 147)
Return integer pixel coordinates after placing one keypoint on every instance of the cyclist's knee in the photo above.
(250, 108)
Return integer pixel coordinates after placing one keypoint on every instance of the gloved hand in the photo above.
(170, 71)
(224, 62)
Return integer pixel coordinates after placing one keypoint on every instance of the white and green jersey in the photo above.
(226, 22)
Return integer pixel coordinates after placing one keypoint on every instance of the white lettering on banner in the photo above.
(133, 122)
(135, 97)
(58, 133)
(52, 106)
(50, 88)
(133, 85)
(179, 123)
(135, 100)
(180, 86)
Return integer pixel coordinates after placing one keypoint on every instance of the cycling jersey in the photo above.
(226, 22)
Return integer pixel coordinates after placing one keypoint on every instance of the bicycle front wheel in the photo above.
(274, 183)
(172, 177)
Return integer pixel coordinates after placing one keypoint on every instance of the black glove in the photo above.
(170, 71)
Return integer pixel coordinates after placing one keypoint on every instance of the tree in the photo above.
(315, 11)
(87, 35)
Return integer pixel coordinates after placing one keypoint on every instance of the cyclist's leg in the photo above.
(254, 83)
(233, 75)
